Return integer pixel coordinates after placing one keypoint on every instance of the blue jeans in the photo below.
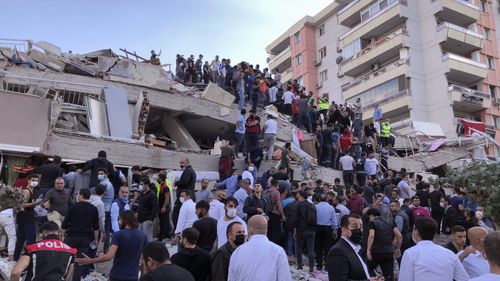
(25, 233)
(241, 95)
(290, 243)
(240, 143)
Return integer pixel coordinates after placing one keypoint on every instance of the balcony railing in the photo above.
(363, 23)
(374, 74)
(447, 56)
(458, 28)
(371, 101)
(467, 91)
(377, 43)
(278, 56)
(465, 3)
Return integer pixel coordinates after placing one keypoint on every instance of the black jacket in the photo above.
(343, 264)
(96, 164)
(196, 260)
(251, 204)
(449, 219)
(220, 262)
(148, 207)
(49, 174)
(302, 208)
(187, 180)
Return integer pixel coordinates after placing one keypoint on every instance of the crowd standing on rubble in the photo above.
(243, 227)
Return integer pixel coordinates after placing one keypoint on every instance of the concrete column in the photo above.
(176, 130)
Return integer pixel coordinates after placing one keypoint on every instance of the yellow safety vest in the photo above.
(323, 105)
(385, 130)
(158, 186)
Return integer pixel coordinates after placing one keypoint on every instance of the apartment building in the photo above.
(425, 61)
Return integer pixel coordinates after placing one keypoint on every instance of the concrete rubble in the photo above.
(139, 114)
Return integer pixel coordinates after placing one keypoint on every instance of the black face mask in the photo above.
(240, 239)
(356, 235)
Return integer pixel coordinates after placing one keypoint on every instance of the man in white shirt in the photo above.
(241, 195)
(404, 187)
(270, 130)
(216, 210)
(259, 258)
(492, 252)
(248, 174)
(347, 165)
(230, 216)
(371, 166)
(187, 214)
(288, 97)
(273, 91)
(119, 205)
(96, 200)
(427, 261)
(473, 256)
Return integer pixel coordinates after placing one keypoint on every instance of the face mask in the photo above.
(141, 187)
(479, 214)
(356, 235)
(122, 225)
(34, 183)
(231, 213)
(101, 177)
(182, 199)
(441, 204)
(124, 198)
(251, 168)
(240, 239)
(182, 166)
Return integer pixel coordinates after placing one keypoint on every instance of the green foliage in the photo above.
(482, 182)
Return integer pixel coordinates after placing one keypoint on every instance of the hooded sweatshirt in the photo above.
(356, 204)
(195, 260)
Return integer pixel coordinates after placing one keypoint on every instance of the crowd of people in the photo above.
(243, 227)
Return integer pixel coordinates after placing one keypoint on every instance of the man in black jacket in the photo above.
(235, 234)
(98, 163)
(305, 229)
(49, 173)
(450, 215)
(255, 204)
(190, 257)
(148, 208)
(344, 262)
(187, 181)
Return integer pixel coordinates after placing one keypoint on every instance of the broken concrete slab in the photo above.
(218, 95)
(49, 48)
(47, 60)
(79, 68)
(178, 132)
(120, 124)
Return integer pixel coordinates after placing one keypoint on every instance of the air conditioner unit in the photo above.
(319, 85)
(340, 74)
(375, 66)
(497, 101)
(339, 50)
(318, 61)
(372, 40)
(339, 59)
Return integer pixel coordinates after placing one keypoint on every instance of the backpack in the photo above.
(270, 203)
(310, 216)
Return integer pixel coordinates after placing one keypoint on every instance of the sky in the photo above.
(236, 29)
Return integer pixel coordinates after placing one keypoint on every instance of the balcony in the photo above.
(459, 40)
(393, 104)
(380, 23)
(382, 50)
(350, 14)
(468, 100)
(459, 12)
(464, 70)
(372, 79)
(287, 76)
(281, 60)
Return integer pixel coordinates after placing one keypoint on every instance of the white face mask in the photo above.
(441, 204)
(251, 168)
(182, 199)
(479, 214)
(231, 213)
(141, 187)
(34, 184)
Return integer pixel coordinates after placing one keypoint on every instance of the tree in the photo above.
(482, 182)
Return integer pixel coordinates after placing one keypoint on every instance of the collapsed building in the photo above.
(74, 105)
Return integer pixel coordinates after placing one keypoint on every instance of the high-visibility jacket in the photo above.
(385, 130)
(158, 187)
(323, 105)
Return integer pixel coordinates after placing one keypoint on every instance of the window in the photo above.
(487, 33)
(374, 8)
(493, 91)
(321, 30)
(491, 62)
(496, 121)
(484, 6)
(351, 49)
(296, 38)
(300, 80)
(322, 52)
(298, 59)
(323, 75)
